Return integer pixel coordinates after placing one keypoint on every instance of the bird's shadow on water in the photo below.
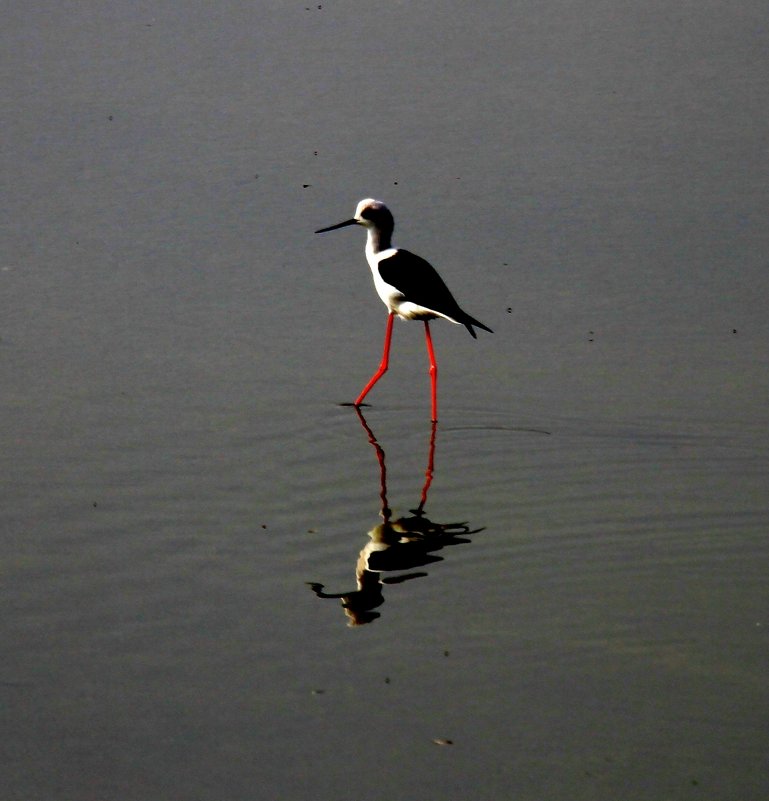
(396, 544)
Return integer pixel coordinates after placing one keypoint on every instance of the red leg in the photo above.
(383, 364)
(433, 371)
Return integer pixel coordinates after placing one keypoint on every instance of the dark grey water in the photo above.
(584, 616)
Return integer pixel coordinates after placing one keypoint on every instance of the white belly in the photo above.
(391, 297)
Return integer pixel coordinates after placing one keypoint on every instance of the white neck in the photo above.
(376, 240)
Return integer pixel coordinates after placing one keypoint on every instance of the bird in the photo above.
(408, 285)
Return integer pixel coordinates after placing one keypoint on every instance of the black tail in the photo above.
(468, 322)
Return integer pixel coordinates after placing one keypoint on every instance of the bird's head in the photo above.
(369, 213)
(374, 214)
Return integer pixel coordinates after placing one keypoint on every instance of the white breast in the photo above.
(391, 297)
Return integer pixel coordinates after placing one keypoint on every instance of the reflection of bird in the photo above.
(405, 543)
(408, 285)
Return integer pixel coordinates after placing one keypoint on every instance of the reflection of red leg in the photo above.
(433, 370)
(380, 455)
(383, 364)
(430, 469)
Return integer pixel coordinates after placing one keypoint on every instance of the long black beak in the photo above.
(338, 225)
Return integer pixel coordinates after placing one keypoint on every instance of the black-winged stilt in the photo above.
(408, 285)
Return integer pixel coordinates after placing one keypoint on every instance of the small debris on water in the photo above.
(443, 741)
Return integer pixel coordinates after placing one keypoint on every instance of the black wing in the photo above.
(420, 283)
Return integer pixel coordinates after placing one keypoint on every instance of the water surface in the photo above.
(585, 617)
